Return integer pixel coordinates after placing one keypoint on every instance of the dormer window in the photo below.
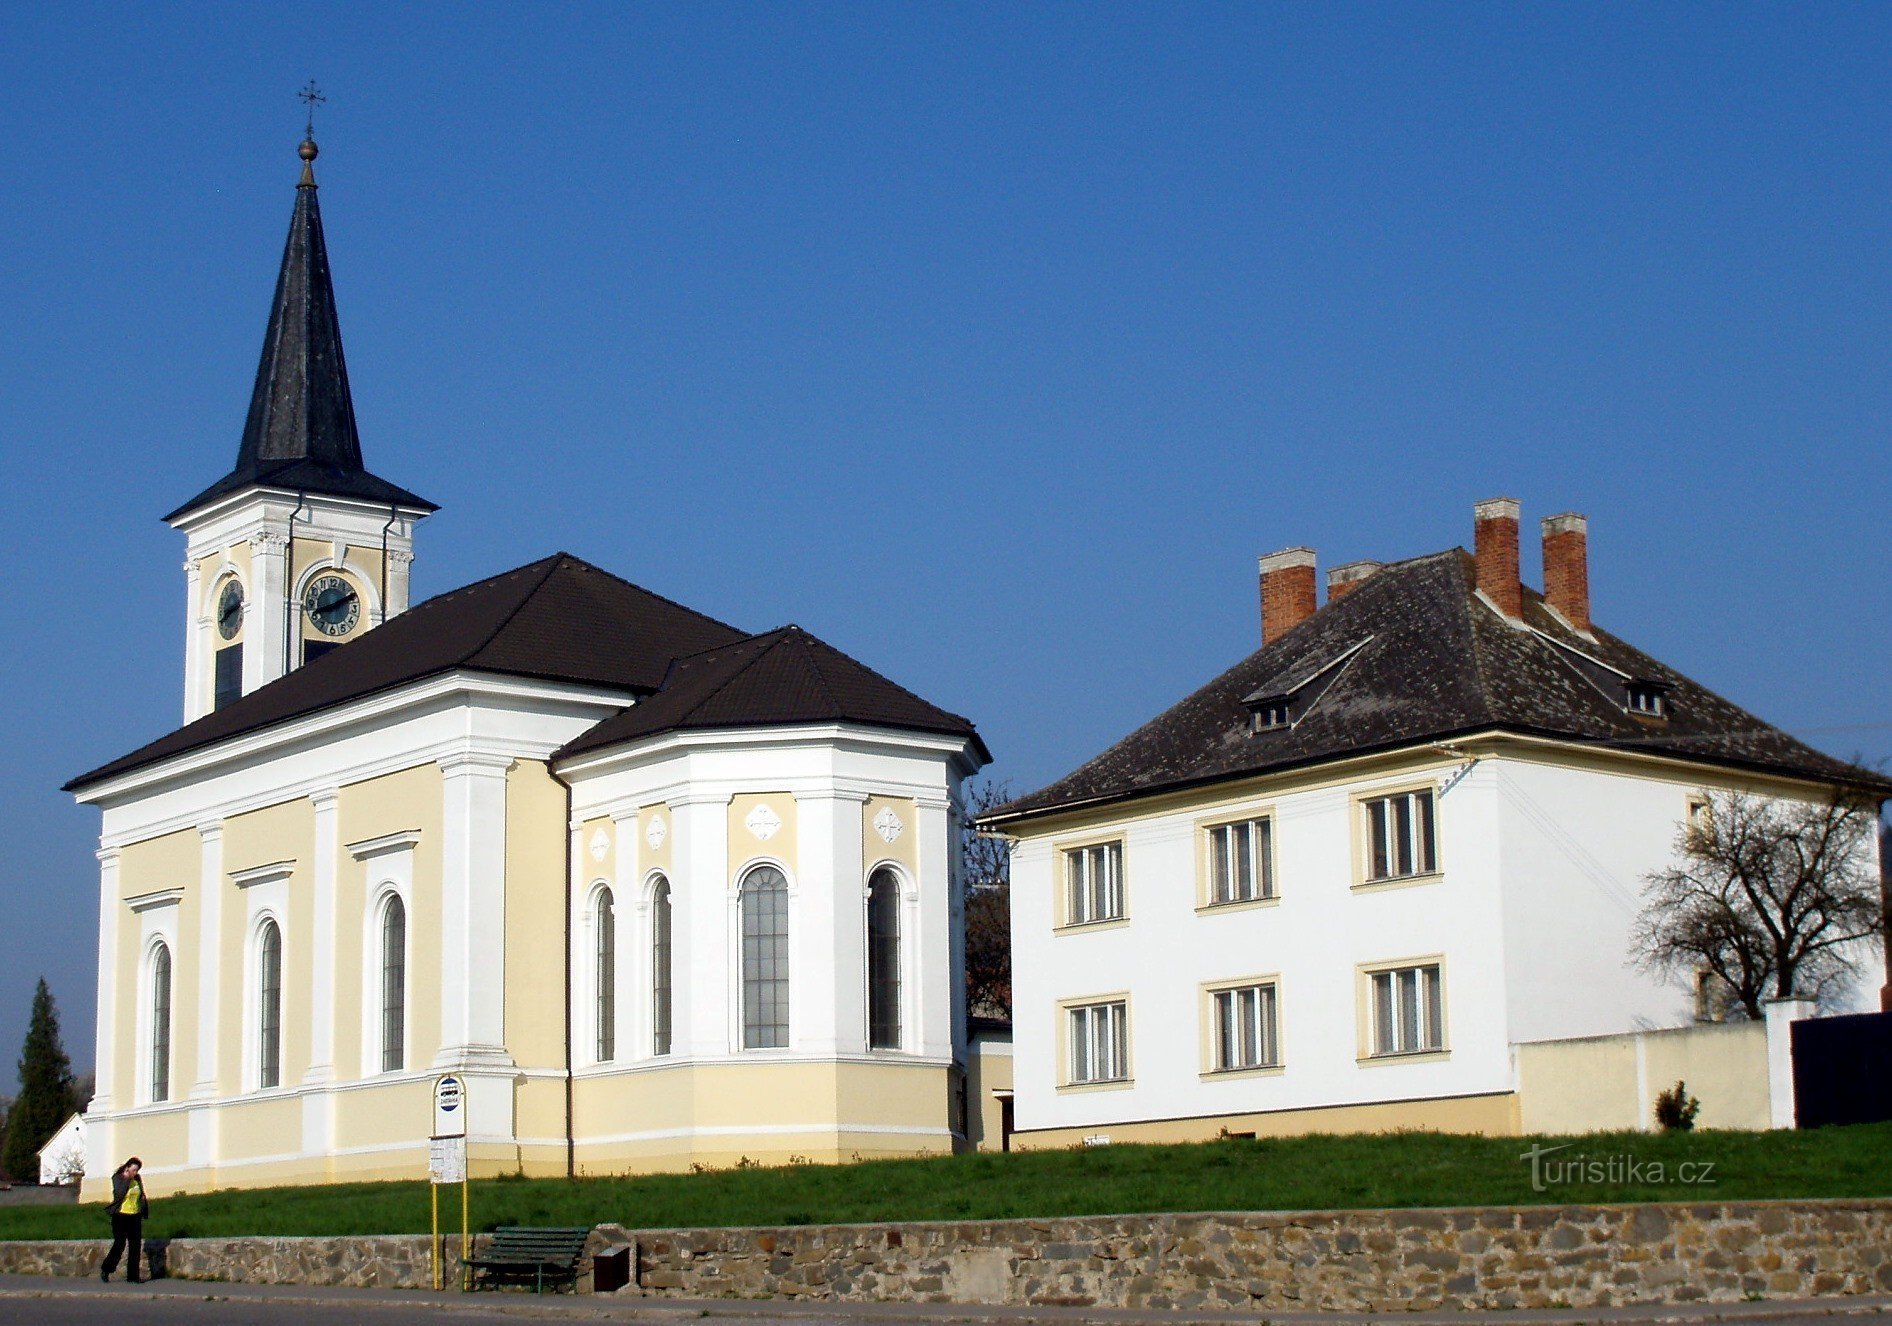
(1645, 698)
(1270, 714)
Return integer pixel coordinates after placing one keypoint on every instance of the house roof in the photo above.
(559, 619)
(300, 434)
(1413, 654)
(784, 676)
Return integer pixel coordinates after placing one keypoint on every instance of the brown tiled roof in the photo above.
(559, 619)
(782, 677)
(1413, 655)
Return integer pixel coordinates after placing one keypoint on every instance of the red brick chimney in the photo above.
(1342, 580)
(1495, 546)
(1287, 591)
(1567, 567)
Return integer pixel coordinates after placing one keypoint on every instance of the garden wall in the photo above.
(1497, 1257)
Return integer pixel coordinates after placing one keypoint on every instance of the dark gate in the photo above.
(1842, 1069)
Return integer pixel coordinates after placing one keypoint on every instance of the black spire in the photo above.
(300, 435)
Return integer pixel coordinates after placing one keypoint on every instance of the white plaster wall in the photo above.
(1314, 939)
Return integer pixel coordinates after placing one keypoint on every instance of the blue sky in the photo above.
(991, 343)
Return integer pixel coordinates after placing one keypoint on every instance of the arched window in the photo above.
(393, 985)
(606, 985)
(269, 1006)
(883, 960)
(764, 959)
(660, 976)
(160, 1023)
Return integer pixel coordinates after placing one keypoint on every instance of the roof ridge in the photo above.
(794, 632)
(552, 564)
(878, 675)
(729, 680)
(661, 598)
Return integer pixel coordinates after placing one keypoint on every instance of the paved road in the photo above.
(46, 1302)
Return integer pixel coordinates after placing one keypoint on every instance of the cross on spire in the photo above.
(313, 96)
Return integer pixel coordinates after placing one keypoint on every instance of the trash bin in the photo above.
(611, 1270)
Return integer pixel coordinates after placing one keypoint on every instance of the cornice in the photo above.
(268, 874)
(149, 902)
(403, 841)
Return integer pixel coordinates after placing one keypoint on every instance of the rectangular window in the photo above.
(1245, 1028)
(1094, 883)
(1100, 1042)
(1241, 861)
(1408, 1010)
(1400, 836)
(229, 675)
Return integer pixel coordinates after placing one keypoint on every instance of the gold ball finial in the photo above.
(308, 151)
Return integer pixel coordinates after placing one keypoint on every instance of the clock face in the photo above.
(332, 604)
(230, 610)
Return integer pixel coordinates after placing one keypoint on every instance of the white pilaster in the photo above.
(705, 931)
(267, 616)
(323, 987)
(400, 561)
(210, 890)
(104, 1046)
(473, 910)
(196, 637)
(938, 1016)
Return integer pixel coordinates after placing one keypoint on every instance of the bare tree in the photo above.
(986, 863)
(1766, 897)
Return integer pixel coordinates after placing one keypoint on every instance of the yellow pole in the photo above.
(434, 1188)
(465, 1250)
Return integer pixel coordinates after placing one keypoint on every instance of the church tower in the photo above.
(299, 548)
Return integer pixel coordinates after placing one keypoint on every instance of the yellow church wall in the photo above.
(375, 808)
(837, 1101)
(283, 832)
(535, 916)
(260, 1126)
(746, 845)
(905, 847)
(173, 861)
(653, 858)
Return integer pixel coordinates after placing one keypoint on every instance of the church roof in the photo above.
(782, 677)
(300, 435)
(1414, 655)
(559, 619)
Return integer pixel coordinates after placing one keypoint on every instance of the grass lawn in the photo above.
(1400, 1169)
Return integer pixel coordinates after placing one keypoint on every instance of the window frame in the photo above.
(269, 1011)
(1068, 1015)
(1068, 853)
(661, 947)
(601, 927)
(1432, 1009)
(1206, 829)
(1212, 1069)
(391, 899)
(158, 1031)
(892, 1005)
(783, 959)
(1361, 809)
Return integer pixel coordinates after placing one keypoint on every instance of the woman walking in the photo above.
(128, 1210)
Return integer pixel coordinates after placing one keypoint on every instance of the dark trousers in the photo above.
(127, 1237)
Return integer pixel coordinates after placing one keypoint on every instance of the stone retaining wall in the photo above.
(389, 1261)
(1498, 1257)
(1323, 1260)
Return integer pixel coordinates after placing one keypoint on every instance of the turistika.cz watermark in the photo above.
(1549, 1170)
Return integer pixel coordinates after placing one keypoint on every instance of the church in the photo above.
(659, 891)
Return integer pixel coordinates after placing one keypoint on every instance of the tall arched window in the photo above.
(161, 1023)
(660, 976)
(764, 959)
(269, 1006)
(605, 992)
(393, 985)
(883, 960)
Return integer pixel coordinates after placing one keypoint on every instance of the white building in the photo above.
(1334, 888)
(660, 892)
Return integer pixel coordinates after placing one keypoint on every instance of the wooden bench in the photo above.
(522, 1255)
